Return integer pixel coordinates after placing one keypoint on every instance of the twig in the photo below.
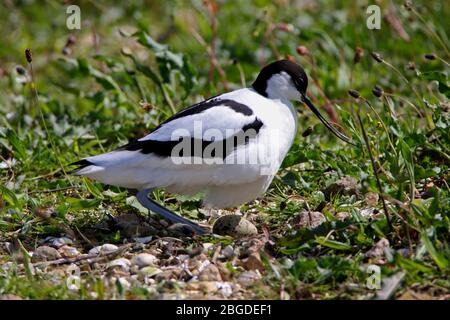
(52, 190)
(89, 258)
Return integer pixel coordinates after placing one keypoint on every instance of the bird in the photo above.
(229, 146)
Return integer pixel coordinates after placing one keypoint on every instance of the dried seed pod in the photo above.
(376, 56)
(28, 55)
(355, 94)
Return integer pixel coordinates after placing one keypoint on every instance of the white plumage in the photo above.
(264, 107)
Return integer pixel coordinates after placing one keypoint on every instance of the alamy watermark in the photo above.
(73, 20)
(373, 20)
(213, 146)
(373, 281)
(73, 281)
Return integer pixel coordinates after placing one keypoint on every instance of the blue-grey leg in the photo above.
(151, 205)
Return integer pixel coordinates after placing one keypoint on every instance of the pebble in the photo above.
(149, 271)
(345, 186)
(253, 262)
(58, 242)
(45, 253)
(144, 259)
(235, 226)
(225, 288)
(106, 248)
(228, 252)
(310, 219)
(247, 278)
(378, 250)
(210, 273)
(68, 252)
(181, 230)
(206, 286)
(143, 240)
(207, 246)
(122, 263)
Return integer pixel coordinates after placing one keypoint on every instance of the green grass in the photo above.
(123, 85)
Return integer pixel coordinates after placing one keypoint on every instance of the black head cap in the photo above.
(296, 72)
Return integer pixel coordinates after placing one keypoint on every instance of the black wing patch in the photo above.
(81, 164)
(205, 105)
(225, 146)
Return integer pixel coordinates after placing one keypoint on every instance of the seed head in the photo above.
(376, 56)
(307, 132)
(359, 53)
(411, 66)
(21, 70)
(355, 94)
(430, 56)
(290, 58)
(302, 50)
(377, 91)
(408, 5)
(28, 55)
(66, 51)
(71, 40)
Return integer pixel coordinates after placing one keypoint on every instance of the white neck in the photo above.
(280, 86)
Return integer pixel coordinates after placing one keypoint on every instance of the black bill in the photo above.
(324, 121)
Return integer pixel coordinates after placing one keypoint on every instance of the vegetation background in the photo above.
(323, 230)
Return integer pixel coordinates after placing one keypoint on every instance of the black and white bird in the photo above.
(229, 146)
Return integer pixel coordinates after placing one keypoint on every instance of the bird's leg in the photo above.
(151, 205)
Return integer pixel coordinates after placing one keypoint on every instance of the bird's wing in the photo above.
(216, 119)
(149, 161)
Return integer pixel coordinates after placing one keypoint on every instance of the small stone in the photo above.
(225, 288)
(371, 199)
(209, 286)
(343, 215)
(309, 219)
(378, 250)
(228, 252)
(253, 262)
(210, 273)
(131, 225)
(45, 253)
(121, 263)
(235, 226)
(207, 246)
(144, 259)
(58, 242)
(247, 278)
(149, 271)
(68, 252)
(143, 240)
(344, 186)
(181, 230)
(106, 248)
(167, 275)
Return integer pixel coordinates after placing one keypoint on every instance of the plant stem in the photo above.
(375, 171)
